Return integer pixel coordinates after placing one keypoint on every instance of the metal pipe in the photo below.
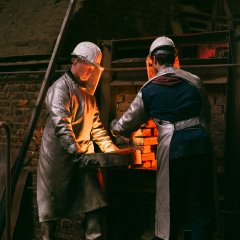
(30, 72)
(8, 180)
(183, 66)
(14, 64)
(128, 69)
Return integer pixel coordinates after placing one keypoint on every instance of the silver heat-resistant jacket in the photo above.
(135, 117)
(72, 125)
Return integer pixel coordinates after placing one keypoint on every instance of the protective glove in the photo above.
(85, 160)
(112, 124)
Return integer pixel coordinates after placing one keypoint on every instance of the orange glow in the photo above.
(100, 178)
(212, 50)
(146, 139)
(176, 63)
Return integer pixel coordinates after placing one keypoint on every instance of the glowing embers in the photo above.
(146, 137)
(219, 50)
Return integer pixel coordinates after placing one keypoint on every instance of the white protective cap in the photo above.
(156, 45)
(160, 42)
(90, 53)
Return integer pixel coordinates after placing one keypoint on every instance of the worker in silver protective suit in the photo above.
(66, 184)
(177, 102)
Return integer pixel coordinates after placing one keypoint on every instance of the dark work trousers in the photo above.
(192, 196)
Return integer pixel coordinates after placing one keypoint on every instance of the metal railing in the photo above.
(8, 179)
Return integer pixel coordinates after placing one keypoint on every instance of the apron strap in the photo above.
(186, 123)
(181, 124)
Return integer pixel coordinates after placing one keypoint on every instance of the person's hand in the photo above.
(85, 160)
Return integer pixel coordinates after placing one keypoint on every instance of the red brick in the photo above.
(119, 114)
(150, 141)
(150, 124)
(211, 100)
(22, 103)
(129, 97)
(119, 98)
(154, 164)
(137, 157)
(218, 117)
(217, 126)
(142, 133)
(217, 109)
(146, 149)
(155, 132)
(148, 156)
(147, 164)
(221, 100)
(123, 106)
(145, 141)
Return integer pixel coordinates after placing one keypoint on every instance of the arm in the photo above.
(132, 119)
(59, 111)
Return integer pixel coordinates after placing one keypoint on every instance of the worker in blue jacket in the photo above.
(177, 102)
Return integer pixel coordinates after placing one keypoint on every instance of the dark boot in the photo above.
(93, 225)
(49, 230)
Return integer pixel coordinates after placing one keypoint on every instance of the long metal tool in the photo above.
(8, 179)
(121, 158)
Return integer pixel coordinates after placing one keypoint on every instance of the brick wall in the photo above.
(18, 94)
(217, 98)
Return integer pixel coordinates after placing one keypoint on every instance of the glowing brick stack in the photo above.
(146, 138)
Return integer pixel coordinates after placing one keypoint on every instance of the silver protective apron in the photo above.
(73, 122)
(162, 213)
(165, 133)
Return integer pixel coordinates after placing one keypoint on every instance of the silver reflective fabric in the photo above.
(162, 213)
(72, 124)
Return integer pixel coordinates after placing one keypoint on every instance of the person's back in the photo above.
(173, 103)
(178, 103)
